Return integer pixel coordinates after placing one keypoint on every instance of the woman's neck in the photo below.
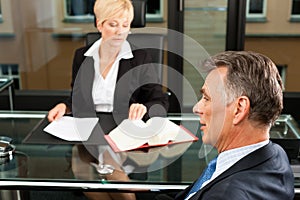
(108, 52)
(107, 56)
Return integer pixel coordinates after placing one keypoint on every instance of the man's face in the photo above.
(215, 114)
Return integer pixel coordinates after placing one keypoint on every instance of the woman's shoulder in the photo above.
(137, 50)
(82, 50)
(139, 53)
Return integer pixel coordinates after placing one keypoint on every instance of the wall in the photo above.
(283, 51)
(278, 38)
(277, 20)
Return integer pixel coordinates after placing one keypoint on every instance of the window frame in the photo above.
(158, 17)
(256, 17)
(88, 18)
(294, 17)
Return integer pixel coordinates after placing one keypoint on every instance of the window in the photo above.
(82, 11)
(256, 10)
(295, 11)
(154, 10)
(79, 11)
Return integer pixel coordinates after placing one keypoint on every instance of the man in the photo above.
(241, 99)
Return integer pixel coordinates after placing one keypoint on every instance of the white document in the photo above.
(72, 129)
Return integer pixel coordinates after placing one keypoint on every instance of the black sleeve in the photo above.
(78, 58)
(151, 91)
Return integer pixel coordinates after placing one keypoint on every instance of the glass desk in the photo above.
(68, 166)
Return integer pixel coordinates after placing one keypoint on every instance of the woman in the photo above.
(110, 79)
(123, 84)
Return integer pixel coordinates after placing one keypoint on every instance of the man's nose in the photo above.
(196, 108)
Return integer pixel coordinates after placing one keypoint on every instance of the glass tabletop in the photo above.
(5, 82)
(81, 166)
(85, 167)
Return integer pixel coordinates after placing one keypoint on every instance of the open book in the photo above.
(157, 131)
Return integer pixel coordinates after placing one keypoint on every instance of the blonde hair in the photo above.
(106, 9)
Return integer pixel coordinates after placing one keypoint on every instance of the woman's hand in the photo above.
(136, 111)
(57, 112)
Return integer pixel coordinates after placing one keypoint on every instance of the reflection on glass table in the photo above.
(286, 133)
(285, 127)
(75, 166)
(8, 83)
(53, 166)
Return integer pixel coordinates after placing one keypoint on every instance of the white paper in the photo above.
(71, 128)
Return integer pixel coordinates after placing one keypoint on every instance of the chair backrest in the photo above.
(153, 43)
(139, 19)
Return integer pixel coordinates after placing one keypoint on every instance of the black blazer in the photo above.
(137, 82)
(263, 174)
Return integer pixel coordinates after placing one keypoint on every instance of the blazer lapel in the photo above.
(83, 104)
(247, 162)
(122, 92)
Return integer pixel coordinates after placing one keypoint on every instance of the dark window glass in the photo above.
(296, 7)
(80, 7)
(4, 69)
(256, 6)
(153, 6)
(84, 7)
(14, 69)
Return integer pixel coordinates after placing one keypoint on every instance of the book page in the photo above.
(121, 139)
(72, 129)
(140, 130)
(168, 133)
(122, 142)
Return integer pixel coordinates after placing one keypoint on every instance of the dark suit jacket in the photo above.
(137, 82)
(263, 174)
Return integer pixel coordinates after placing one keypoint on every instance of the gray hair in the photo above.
(253, 75)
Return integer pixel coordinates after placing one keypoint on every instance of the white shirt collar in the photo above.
(228, 158)
(103, 89)
(125, 52)
(231, 156)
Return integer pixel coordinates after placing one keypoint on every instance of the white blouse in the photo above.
(103, 89)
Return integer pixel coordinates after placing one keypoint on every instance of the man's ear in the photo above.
(242, 109)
